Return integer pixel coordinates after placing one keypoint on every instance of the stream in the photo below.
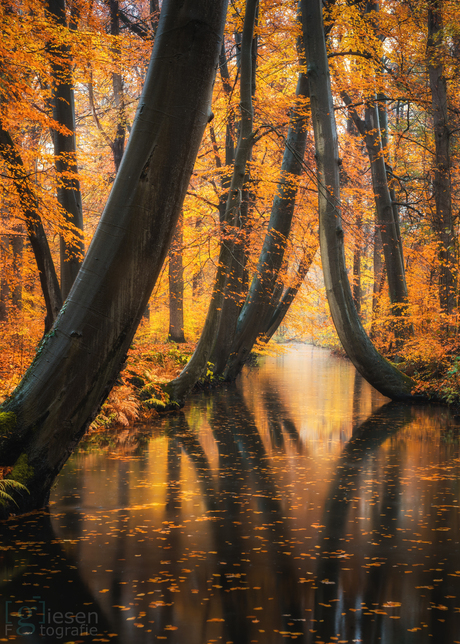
(298, 504)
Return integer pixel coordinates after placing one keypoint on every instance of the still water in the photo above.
(297, 504)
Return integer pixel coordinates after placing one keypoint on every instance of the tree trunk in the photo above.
(197, 365)
(253, 317)
(379, 277)
(118, 144)
(65, 152)
(442, 183)
(35, 231)
(372, 366)
(80, 359)
(369, 128)
(236, 285)
(176, 286)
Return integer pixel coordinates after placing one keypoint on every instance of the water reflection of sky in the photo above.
(290, 506)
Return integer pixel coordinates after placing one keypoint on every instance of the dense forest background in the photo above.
(72, 76)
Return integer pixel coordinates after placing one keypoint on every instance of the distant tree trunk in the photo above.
(35, 231)
(372, 366)
(118, 143)
(78, 362)
(4, 286)
(196, 367)
(379, 277)
(65, 152)
(17, 247)
(176, 286)
(442, 183)
(357, 270)
(369, 128)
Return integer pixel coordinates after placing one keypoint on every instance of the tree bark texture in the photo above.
(80, 359)
(236, 285)
(197, 365)
(65, 153)
(372, 366)
(118, 143)
(176, 286)
(442, 182)
(253, 317)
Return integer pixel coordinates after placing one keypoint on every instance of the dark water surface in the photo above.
(294, 505)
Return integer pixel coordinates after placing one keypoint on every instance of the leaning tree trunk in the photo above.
(236, 285)
(372, 366)
(77, 363)
(253, 317)
(196, 367)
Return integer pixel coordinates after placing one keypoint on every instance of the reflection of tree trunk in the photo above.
(276, 409)
(176, 286)
(43, 544)
(245, 451)
(442, 186)
(372, 366)
(342, 492)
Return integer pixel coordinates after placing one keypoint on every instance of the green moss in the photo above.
(7, 422)
(22, 471)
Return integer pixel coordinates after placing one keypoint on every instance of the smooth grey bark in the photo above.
(197, 365)
(65, 152)
(252, 320)
(176, 286)
(34, 226)
(78, 362)
(372, 366)
(442, 182)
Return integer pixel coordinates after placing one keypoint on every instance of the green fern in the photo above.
(10, 484)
